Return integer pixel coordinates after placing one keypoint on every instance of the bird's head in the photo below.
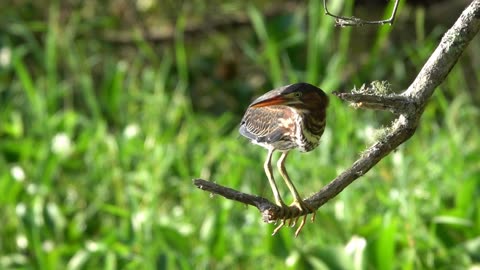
(298, 95)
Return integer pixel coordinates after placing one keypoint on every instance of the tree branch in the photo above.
(266, 207)
(354, 21)
(408, 106)
(377, 96)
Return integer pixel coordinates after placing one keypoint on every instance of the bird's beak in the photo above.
(278, 100)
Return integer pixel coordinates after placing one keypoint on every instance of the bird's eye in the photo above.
(298, 94)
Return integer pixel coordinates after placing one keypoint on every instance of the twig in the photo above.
(394, 103)
(376, 96)
(354, 21)
(269, 210)
(231, 194)
(413, 100)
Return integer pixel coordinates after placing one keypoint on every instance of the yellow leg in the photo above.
(268, 171)
(283, 172)
(276, 194)
(298, 202)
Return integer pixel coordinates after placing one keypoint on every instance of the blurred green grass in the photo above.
(98, 153)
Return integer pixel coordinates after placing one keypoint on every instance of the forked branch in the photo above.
(408, 106)
(354, 21)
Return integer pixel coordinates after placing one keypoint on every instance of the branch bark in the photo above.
(408, 106)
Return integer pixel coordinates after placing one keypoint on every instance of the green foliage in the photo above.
(97, 154)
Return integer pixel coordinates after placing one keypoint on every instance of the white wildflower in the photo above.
(292, 259)
(61, 144)
(5, 56)
(144, 5)
(22, 241)
(48, 245)
(92, 246)
(17, 173)
(21, 209)
(138, 219)
(32, 188)
(131, 131)
(356, 244)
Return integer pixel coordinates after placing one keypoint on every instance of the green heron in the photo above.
(283, 119)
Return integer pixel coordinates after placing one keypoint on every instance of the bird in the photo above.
(286, 118)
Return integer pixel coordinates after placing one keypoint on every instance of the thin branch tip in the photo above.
(342, 21)
(375, 99)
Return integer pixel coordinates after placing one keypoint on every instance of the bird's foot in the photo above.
(292, 214)
(285, 214)
(304, 210)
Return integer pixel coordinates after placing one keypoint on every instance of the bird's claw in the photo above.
(300, 208)
(304, 208)
(293, 222)
(279, 227)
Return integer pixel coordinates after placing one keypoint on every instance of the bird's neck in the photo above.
(310, 127)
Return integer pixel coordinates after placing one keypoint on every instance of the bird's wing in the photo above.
(267, 124)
